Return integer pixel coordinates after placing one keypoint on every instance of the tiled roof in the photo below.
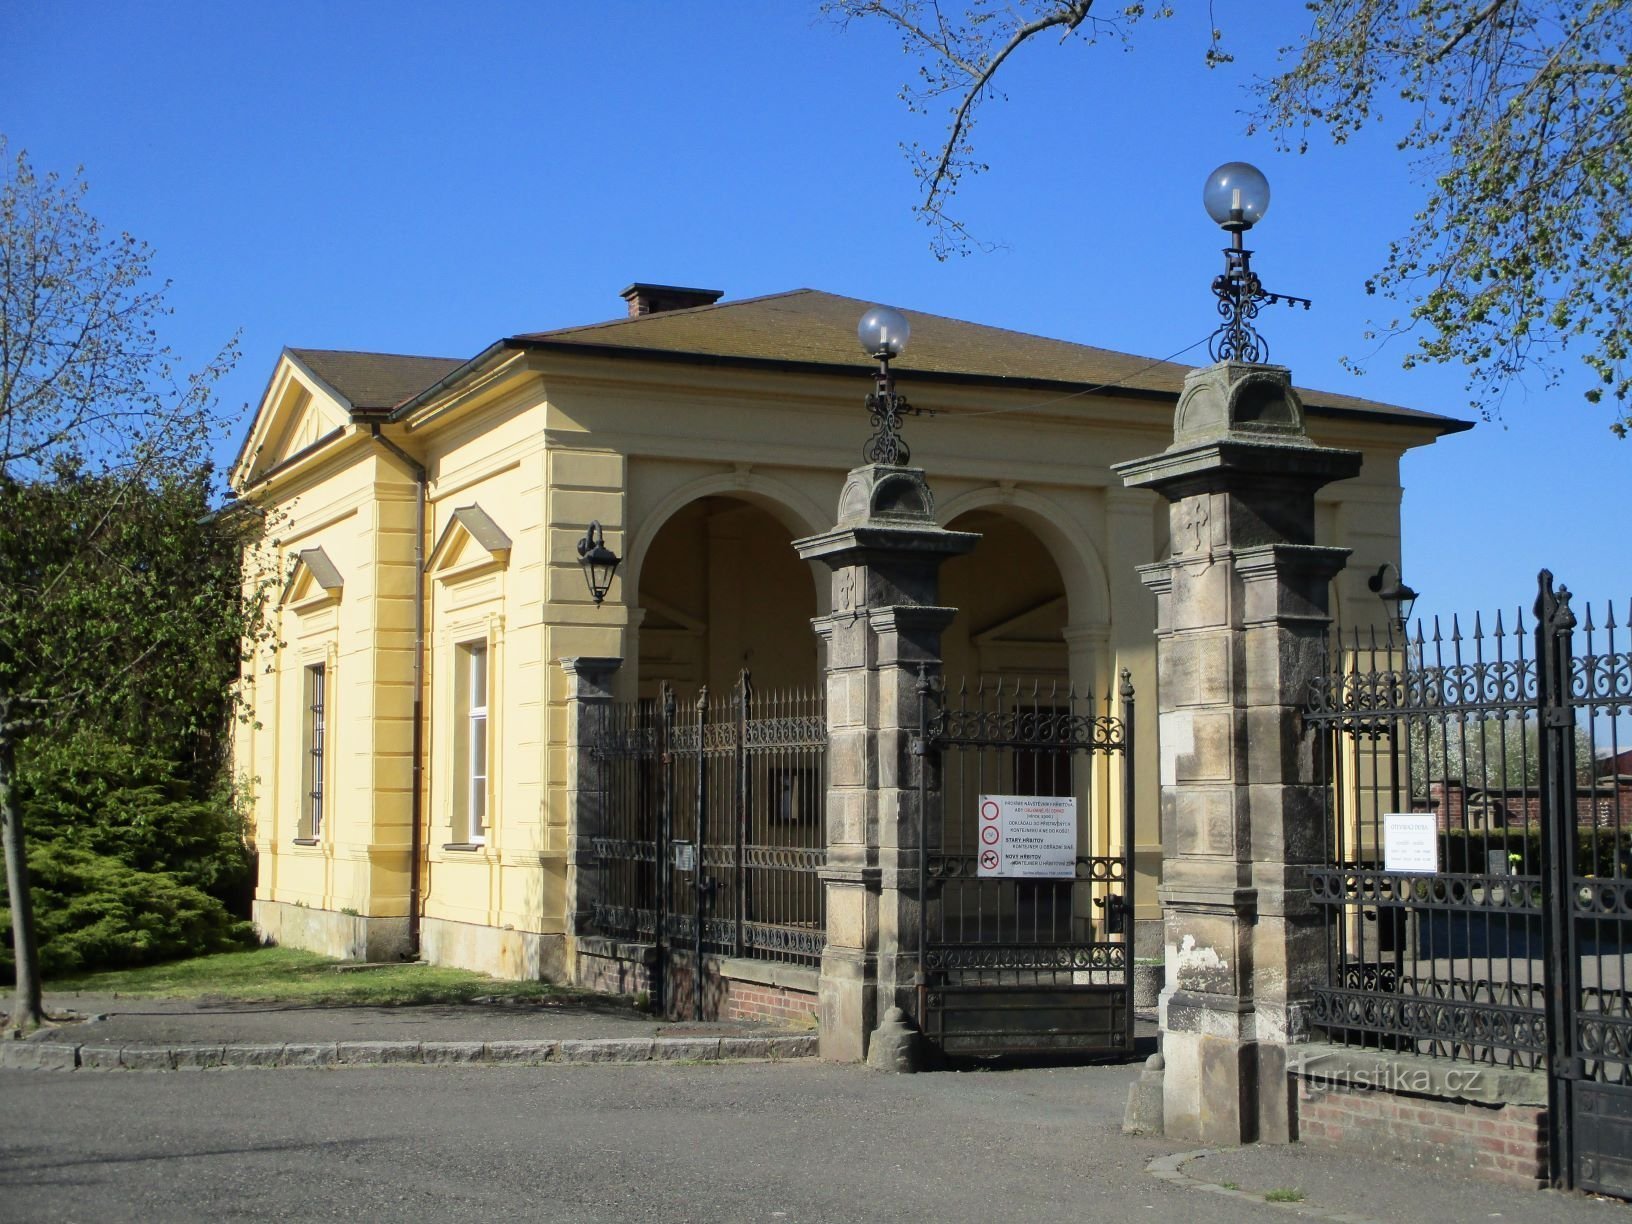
(807, 326)
(375, 380)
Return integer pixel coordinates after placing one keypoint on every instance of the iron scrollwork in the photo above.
(1240, 296)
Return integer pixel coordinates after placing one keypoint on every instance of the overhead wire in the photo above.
(1094, 390)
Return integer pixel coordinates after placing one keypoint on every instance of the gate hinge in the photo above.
(918, 746)
(1558, 716)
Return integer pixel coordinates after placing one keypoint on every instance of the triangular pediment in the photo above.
(471, 543)
(313, 579)
(297, 412)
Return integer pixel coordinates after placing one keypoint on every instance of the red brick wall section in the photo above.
(775, 1004)
(1505, 1143)
(612, 976)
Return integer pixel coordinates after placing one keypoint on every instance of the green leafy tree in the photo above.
(1517, 113)
(114, 594)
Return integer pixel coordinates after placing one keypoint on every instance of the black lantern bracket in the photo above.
(885, 408)
(599, 561)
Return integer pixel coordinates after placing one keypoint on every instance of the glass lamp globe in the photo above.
(883, 332)
(1236, 195)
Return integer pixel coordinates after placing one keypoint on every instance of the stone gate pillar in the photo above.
(884, 552)
(1242, 610)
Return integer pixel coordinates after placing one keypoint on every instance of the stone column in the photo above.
(1241, 615)
(589, 692)
(884, 554)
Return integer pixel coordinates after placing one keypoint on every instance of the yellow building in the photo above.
(428, 511)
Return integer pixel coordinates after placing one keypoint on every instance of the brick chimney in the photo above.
(647, 299)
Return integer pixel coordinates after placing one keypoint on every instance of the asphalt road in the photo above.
(796, 1141)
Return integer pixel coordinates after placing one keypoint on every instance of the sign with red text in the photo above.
(1027, 837)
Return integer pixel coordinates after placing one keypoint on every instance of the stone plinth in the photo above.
(884, 630)
(1242, 614)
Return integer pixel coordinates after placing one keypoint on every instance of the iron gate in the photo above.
(1009, 964)
(712, 830)
(1516, 950)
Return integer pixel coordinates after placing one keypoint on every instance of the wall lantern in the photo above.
(599, 562)
(1393, 592)
(1236, 197)
(884, 333)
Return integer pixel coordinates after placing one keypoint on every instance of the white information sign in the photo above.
(1028, 837)
(1410, 843)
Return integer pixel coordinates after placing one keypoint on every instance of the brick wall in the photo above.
(775, 1004)
(1506, 1143)
(612, 975)
(726, 996)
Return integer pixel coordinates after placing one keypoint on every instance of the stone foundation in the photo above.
(352, 937)
(1485, 1121)
(518, 955)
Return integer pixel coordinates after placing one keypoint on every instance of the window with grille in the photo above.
(471, 754)
(315, 734)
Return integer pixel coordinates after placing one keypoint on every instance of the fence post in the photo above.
(1555, 623)
(1241, 617)
(884, 553)
(589, 694)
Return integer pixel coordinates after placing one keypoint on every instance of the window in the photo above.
(471, 770)
(314, 732)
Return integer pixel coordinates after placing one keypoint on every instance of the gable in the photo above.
(314, 579)
(471, 542)
(296, 413)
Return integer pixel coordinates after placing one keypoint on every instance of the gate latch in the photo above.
(1558, 716)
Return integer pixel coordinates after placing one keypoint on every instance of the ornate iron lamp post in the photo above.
(599, 562)
(1236, 197)
(883, 333)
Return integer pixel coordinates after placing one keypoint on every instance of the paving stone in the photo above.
(803, 1046)
(100, 1057)
(39, 1055)
(687, 1048)
(450, 1051)
(314, 1054)
(745, 1047)
(608, 1050)
(373, 1053)
(250, 1054)
(520, 1051)
(199, 1058)
(147, 1058)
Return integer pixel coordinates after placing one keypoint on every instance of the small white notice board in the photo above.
(1028, 837)
(1410, 843)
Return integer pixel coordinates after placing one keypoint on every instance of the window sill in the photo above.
(465, 847)
(306, 841)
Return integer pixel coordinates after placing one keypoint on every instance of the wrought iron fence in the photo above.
(714, 809)
(1448, 954)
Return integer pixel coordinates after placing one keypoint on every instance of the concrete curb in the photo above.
(108, 1056)
(1171, 1169)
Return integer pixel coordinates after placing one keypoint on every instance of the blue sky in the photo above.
(425, 178)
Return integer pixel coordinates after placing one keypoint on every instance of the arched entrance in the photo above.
(1012, 605)
(720, 589)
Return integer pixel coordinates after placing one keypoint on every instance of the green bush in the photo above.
(128, 865)
(95, 911)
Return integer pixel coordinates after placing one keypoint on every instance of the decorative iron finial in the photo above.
(1236, 197)
(883, 333)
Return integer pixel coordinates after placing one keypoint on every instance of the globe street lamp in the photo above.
(1236, 197)
(883, 333)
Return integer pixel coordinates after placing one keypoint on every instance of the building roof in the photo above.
(810, 328)
(374, 381)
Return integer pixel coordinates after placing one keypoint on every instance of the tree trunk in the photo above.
(27, 1011)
